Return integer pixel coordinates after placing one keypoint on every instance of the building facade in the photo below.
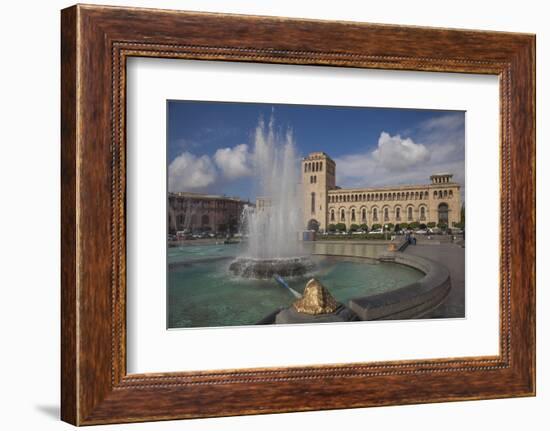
(325, 203)
(202, 212)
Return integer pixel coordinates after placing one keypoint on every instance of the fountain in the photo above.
(274, 227)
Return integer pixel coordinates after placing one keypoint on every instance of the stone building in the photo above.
(325, 203)
(202, 212)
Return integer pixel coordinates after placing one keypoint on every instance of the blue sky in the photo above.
(210, 143)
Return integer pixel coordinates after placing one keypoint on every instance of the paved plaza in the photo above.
(452, 256)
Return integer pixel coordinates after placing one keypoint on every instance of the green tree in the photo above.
(390, 226)
(354, 227)
(414, 225)
(341, 227)
(423, 226)
(376, 226)
(331, 227)
(398, 227)
(431, 224)
(364, 227)
(442, 226)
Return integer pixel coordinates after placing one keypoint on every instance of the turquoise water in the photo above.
(203, 293)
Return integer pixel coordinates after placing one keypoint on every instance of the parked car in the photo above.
(421, 232)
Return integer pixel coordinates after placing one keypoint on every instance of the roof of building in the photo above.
(317, 154)
(393, 187)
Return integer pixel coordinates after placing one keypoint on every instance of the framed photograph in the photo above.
(266, 215)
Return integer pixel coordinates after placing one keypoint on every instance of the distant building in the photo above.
(262, 203)
(325, 203)
(203, 212)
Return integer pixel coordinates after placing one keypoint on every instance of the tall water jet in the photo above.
(274, 225)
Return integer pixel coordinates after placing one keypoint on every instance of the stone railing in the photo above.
(411, 301)
(398, 245)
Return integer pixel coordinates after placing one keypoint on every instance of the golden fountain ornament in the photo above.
(315, 300)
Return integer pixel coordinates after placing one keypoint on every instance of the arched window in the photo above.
(445, 194)
(422, 213)
(353, 214)
(320, 166)
(443, 213)
(331, 215)
(312, 202)
(409, 213)
(450, 193)
(440, 194)
(386, 214)
(342, 215)
(363, 215)
(375, 214)
(435, 194)
(398, 213)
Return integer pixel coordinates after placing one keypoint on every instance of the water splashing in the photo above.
(275, 224)
(274, 229)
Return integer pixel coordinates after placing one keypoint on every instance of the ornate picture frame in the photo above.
(96, 41)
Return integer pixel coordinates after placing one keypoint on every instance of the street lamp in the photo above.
(386, 231)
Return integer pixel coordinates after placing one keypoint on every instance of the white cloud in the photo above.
(447, 123)
(394, 153)
(189, 172)
(233, 162)
(438, 146)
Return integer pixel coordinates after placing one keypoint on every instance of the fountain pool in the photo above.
(203, 293)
